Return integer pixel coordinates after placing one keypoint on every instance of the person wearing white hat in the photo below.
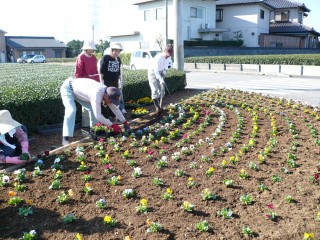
(110, 68)
(86, 63)
(13, 139)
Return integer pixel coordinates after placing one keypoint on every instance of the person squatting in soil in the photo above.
(90, 94)
(110, 69)
(13, 139)
(156, 73)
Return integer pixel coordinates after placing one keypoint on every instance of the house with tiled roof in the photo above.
(47, 46)
(152, 20)
(266, 23)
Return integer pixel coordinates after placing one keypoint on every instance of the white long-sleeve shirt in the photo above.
(160, 63)
(86, 90)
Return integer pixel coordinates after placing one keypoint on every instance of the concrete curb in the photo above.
(262, 69)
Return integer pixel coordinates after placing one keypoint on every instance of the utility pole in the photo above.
(166, 22)
(92, 32)
(178, 35)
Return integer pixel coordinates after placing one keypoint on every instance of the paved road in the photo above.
(306, 90)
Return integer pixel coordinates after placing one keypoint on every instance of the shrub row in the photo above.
(292, 59)
(32, 92)
(212, 43)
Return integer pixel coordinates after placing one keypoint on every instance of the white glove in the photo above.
(5, 143)
(164, 72)
(161, 81)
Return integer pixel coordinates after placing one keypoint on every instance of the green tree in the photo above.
(74, 48)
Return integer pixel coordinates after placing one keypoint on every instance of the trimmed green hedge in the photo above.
(292, 59)
(31, 92)
(211, 43)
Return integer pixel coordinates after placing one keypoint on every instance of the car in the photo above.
(141, 59)
(24, 58)
(37, 59)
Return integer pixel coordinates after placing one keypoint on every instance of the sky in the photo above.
(67, 20)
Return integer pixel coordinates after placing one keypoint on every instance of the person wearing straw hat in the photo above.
(156, 72)
(13, 139)
(86, 63)
(90, 94)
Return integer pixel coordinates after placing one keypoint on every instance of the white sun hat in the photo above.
(89, 45)
(6, 122)
(116, 46)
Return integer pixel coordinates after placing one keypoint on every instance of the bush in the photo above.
(31, 92)
(293, 59)
(211, 43)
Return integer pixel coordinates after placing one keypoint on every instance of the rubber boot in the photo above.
(157, 105)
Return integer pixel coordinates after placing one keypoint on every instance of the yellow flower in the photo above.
(119, 177)
(82, 163)
(127, 238)
(206, 191)
(224, 162)
(308, 236)
(107, 219)
(144, 202)
(106, 156)
(211, 169)
(318, 214)
(242, 171)
(70, 192)
(148, 222)
(190, 179)
(169, 191)
(78, 236)
(58, 172)
(87, 185)
(29, 202)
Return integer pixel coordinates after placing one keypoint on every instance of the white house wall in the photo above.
(248, 22)
(149, 30)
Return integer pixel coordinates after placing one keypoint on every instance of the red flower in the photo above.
(164, 147)
(87, 171)
(207, 112)
(319, 169)
(270, 205)
(99, 124)
(101, 140)
(46, 152)
(185, 135)
(316, 176)
(150, 152)
(107, 166)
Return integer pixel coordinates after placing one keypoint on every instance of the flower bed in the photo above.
(222, 165)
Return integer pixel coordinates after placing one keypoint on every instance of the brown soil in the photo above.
(295, 125)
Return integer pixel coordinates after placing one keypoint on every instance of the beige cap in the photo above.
(89, 45)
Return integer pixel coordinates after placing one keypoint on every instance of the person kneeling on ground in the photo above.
(13, 139)
(156, 72)
(90, 94)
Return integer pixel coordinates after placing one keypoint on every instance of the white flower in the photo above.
(123, 138)
(137, 170)
(191, 147)
(33, 232)
(5, 179)
(57, 160)
(164, 158)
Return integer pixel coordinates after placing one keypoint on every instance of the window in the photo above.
(219, 15)
(193, 12)
(300, 16)
(147, 15)
(261, 14)
(159, 13)
(282, 16)
(196, 12)
(57, 53)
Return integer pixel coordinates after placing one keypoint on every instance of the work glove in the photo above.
(164, 72)
(14, 160)
(161, 81)
(116, 128)
(126, 126)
